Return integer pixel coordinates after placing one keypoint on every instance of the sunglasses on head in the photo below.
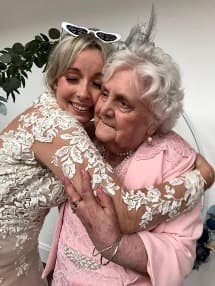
(76, 31)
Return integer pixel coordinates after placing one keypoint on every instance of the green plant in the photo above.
(16, 62)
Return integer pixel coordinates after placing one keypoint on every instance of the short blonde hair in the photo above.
(66, 52)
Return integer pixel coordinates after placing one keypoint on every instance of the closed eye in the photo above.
(72, 79)
(97, 85)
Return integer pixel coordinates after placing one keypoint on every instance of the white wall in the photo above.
(185, 30)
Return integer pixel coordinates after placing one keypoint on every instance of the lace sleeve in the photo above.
(61, 144)
(164, 202)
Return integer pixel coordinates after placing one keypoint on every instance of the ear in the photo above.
(55, 85)
(152, 129)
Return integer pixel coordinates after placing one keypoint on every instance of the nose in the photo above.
(107, 108)
(84, 91)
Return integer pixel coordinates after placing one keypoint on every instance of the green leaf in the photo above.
(3, 108)
(17, 60)
(45, 38)
(8, 50)
(18, 48)
(22, 81)
(38, 62)
(16, 90)
(3, 99)
(38, 38)
(11, 84)
(24, 73)
(6, 58)
(44, 47)
(28, 55)
(54, 33)
(3, 52)
(32, 46)
(2, 66)
(13, 96)
(2, 78)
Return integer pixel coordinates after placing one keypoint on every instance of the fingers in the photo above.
(86, 191)
(105, 200)
(70, 189)
(85, 194)
(83, 191)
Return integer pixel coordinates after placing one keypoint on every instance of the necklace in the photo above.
(124, 155)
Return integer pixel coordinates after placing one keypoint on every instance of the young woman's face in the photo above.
(122, 119)
(78, 89)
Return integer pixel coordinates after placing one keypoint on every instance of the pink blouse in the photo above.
(170, 246)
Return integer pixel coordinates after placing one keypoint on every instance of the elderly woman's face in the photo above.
(122, 119)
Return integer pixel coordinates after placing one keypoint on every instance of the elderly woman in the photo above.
(140, 102)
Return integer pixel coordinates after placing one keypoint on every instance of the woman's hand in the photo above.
(99, 217)
(206, 170)
(97, 214)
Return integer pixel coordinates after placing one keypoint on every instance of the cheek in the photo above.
(98, 105)
(95, 96)
(59, 89)
(130, 127)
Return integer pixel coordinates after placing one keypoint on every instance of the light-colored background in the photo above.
(185, 30)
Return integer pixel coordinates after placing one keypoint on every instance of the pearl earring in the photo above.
(149, 140)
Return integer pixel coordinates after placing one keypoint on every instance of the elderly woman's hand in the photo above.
(97, 214)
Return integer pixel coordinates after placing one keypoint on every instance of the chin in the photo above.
(83, 118)
(101, 136)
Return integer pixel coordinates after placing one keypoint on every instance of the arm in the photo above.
(99, 217)
(206, 170)
(177, 196)
(169, 244)
(62, 145)
(172, 244)
(58, 156)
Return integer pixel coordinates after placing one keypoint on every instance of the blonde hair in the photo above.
(66, 52)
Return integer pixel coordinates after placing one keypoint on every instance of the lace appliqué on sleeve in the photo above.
(76, 147)
(167, 204)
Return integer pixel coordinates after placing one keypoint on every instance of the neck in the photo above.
(115, 158)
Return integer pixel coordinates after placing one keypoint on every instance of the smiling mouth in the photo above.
(107, 124)
(80, 108)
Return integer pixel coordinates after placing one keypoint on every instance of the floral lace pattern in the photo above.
(170, 205)
(78, 149)
(28, 189)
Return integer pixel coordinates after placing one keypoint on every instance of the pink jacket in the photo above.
(170, 246)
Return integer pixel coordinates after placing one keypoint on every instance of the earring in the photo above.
(149, 140)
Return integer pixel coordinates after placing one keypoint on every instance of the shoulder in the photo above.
(175, 144)
(45, 119)
(174, 153)
(169, 143)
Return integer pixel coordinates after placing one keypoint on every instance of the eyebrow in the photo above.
(70, 69)
(120, 96)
